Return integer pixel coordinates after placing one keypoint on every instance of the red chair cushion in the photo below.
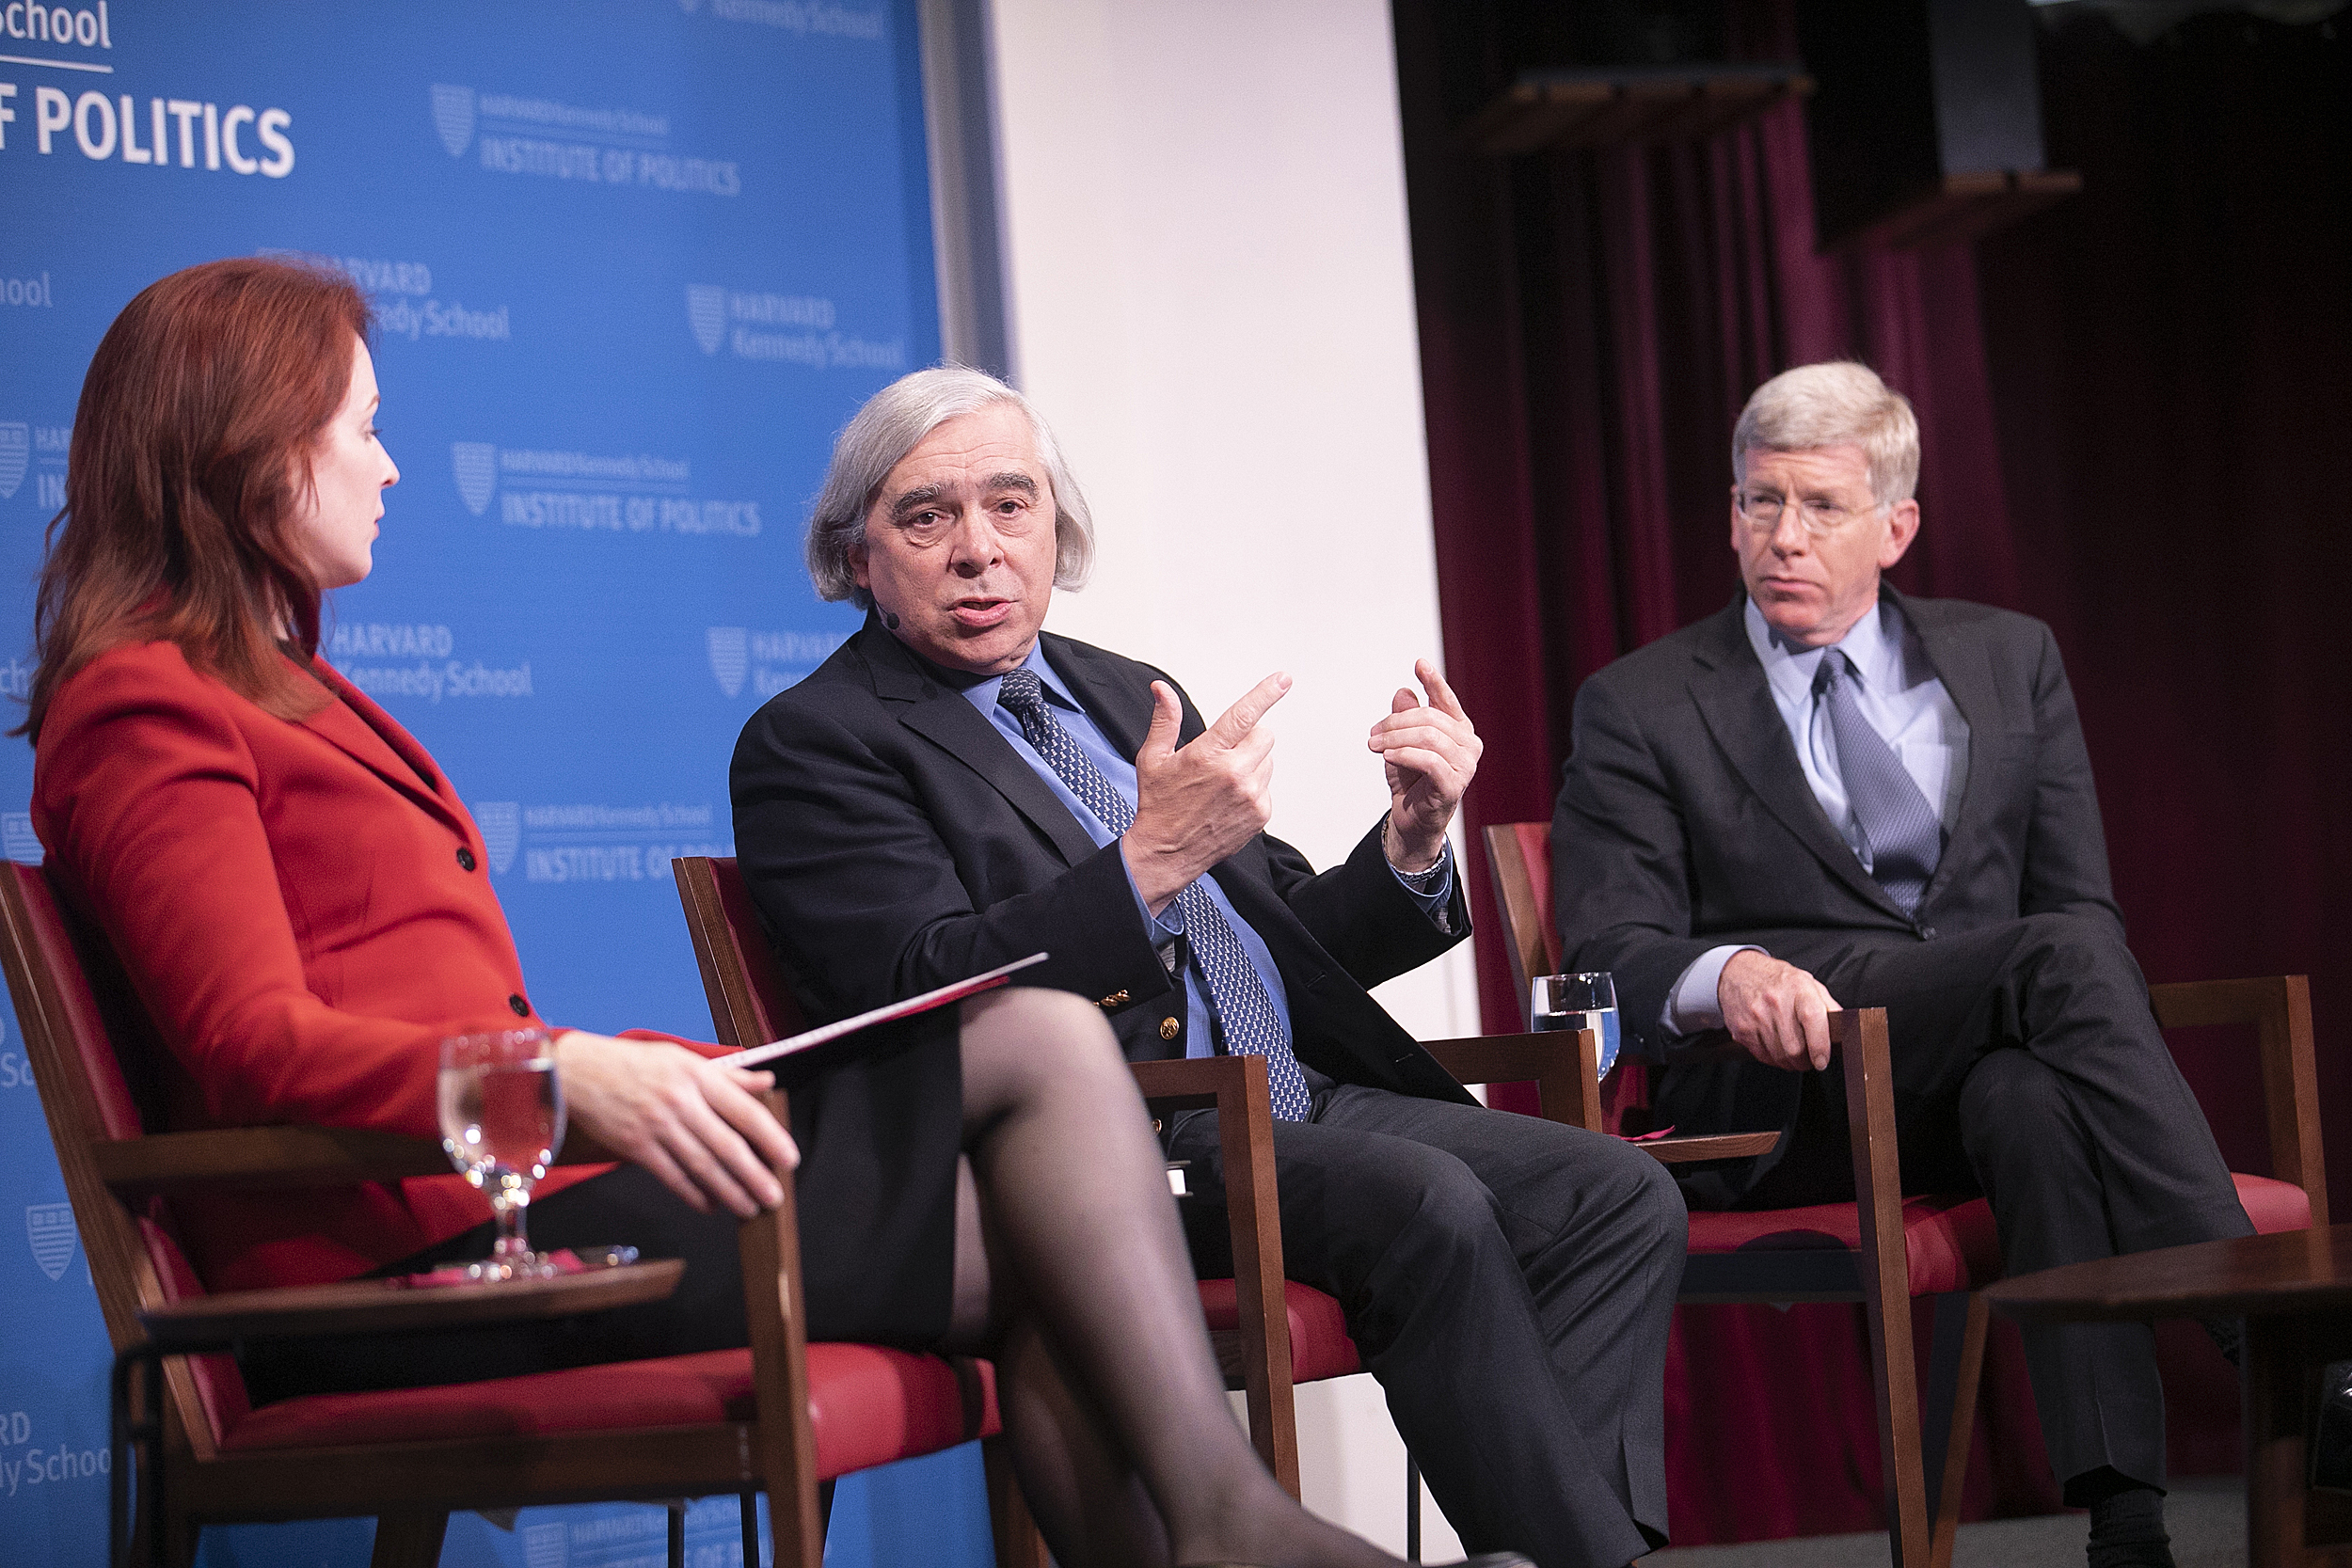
(869, 1405)
(2273, 1206)
(1320, 1347)
(1951, 1241)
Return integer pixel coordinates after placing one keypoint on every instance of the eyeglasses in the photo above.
(1761, 510)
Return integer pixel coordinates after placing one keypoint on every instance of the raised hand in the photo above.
(1778, 1013)
(1197, 803)
(693, 1121)
(1430, 751)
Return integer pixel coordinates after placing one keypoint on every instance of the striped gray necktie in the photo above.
(1252, 1027)
(1905, 836)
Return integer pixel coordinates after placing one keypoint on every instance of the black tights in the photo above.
(1071, 1275)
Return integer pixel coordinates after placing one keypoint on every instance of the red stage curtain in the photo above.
(2126, 404)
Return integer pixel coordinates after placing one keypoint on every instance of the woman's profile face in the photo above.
(349, 469)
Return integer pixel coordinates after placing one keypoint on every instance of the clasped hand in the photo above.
(1778, 1013)
(695, 1122)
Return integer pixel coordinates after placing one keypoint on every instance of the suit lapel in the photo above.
(1122, 709)
(1736, 702)
(372, 736)
(1960, 664)
(942, 715)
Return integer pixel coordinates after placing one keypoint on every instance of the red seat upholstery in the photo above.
(2272, 1205)
(1320, 1347)
(1950, 1242)
(869, 1405)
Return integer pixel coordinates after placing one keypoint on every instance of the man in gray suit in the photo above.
(1830, 794)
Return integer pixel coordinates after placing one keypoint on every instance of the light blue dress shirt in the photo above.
(1169, 923)
(1900, 695)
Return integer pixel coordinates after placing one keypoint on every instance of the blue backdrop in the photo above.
(634, 263)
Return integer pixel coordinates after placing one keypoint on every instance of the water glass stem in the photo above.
(510, 1208)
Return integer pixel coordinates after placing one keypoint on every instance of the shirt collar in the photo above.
(981, 694)
(1871, 644)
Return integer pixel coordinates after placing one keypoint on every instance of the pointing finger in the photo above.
(1440, 695)
(1243, 716)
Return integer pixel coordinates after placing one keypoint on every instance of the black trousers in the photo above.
(2027, 1066)
(1510, 1282)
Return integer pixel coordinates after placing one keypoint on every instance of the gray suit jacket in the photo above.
(1685, 822)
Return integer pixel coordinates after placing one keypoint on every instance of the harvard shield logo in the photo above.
(476, 465)
(452, 117)
(730, 656)
(501, 825)
(50, 1227)
(16, 449)
(707, 313)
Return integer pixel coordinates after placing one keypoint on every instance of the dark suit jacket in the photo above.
(894, 842)
(1685, 822)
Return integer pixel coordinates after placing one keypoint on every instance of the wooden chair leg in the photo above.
(408, 1539)
(1018, 1544)
(1955, 1373)
(1860, 1036)
(676, 1511)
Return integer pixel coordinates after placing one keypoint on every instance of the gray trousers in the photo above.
(1510, 1282)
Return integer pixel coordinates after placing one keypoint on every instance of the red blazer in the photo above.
(306, 910)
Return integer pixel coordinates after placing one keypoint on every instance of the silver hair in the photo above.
(1833, 404)
(893, 424)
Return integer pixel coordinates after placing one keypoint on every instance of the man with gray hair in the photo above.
(1831, 794)
(956, 788)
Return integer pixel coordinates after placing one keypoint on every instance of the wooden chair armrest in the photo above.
(2280, 1008)
(388, 1306)
(263, 1157)
(1236, 1087)
(269, 1158)
(1564, 1066)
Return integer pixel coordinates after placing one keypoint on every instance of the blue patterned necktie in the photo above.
(1252, 1027)
(1905, 836)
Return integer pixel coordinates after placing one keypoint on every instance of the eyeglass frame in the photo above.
(1807, 517)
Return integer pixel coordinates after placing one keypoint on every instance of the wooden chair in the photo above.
(781, 1416)
(1885, 1248)
(751, 1003)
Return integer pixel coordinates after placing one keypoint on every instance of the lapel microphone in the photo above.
(890, 620)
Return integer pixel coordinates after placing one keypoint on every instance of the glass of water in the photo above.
(502, 1121)
(1577, 1001)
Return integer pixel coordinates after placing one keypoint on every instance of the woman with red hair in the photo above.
(301, 900)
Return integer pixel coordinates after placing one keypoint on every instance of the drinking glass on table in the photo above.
(502, 1121)
(1577, 1001)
